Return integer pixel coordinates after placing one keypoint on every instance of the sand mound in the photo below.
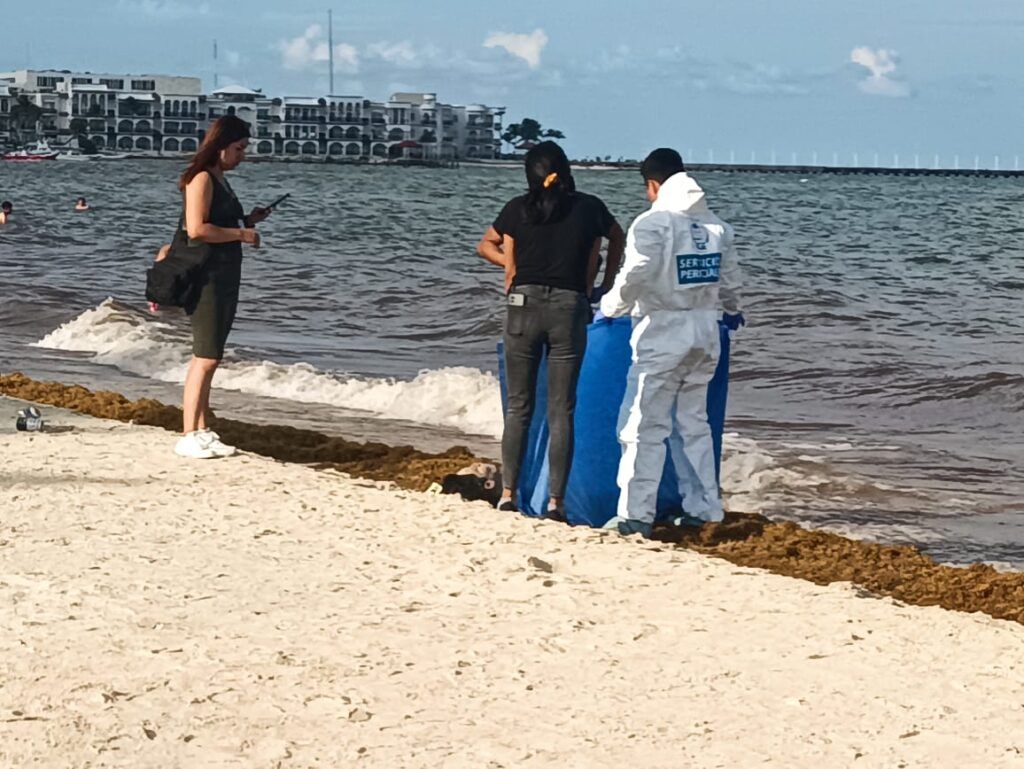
(747, 540)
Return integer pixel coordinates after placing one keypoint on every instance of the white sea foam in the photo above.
(117, 335)
(750, 475)
(756, 480)
(467, 399)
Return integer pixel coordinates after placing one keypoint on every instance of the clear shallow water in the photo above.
(878, 390)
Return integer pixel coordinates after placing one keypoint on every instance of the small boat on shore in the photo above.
(76, 155)
(31, 153)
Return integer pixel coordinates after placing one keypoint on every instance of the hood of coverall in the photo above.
(681, 192)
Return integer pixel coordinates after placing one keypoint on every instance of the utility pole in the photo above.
(330, 46)
(216, 76)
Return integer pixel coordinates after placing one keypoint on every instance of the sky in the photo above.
(905, 80)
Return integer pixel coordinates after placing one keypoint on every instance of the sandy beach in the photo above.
(254, 613)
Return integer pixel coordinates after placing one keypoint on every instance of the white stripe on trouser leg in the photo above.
(646, 421)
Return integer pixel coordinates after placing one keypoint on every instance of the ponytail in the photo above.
(550, 181)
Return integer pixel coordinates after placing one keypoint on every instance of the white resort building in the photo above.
(162, 114)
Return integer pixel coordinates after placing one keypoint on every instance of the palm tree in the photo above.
(25, 114)
(528, 132)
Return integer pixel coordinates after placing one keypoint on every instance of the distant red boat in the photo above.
(32, 153)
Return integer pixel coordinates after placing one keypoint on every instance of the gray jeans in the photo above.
(552, 321)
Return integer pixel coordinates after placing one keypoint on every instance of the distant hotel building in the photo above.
(165, 114)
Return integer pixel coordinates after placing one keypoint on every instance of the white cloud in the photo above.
(526, 47)
(311, 49)
(402, 54)
(882, 65)
(165, 9)
(346, 58)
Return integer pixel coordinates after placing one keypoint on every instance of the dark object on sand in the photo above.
(478, 481)
(29, 420)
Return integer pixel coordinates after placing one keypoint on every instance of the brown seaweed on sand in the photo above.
(901, 572)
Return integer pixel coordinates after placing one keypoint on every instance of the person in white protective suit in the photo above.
(680, 266)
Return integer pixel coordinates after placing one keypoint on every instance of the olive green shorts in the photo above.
(214, 313)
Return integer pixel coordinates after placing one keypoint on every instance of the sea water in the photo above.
(878, 389)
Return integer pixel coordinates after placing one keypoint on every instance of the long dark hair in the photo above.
(224, 131)
(550, 179)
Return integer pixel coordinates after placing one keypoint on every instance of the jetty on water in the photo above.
(850, 170)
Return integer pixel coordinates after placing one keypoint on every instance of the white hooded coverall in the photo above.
(680, 263)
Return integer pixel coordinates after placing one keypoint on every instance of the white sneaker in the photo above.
(214, 443)
(194, 445)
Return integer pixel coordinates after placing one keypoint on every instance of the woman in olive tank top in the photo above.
(214, 216)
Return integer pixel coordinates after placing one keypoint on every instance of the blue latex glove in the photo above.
(600, 316)
(733, 322)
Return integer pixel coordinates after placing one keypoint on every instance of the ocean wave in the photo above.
(118, 335)
(805, 486)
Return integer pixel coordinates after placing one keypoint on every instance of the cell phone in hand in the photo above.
(279, 201)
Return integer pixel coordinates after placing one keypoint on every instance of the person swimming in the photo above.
(81, 205)
(5, 211)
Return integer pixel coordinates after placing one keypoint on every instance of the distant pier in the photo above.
(849, 170)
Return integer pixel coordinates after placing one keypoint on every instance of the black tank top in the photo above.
(225, 211)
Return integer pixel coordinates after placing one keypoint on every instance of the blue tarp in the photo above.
(592, 492)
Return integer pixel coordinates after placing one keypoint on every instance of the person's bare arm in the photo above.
(508, 247)
(594, 263)
(499, 250)
(198, 197)
(491, 248)
(616, 247)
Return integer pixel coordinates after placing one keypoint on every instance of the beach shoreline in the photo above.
(746, 540)
(251, 612)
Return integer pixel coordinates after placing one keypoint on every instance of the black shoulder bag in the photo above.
(177, 280)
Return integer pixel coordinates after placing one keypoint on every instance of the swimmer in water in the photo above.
(160, 256)
(5, 211)
(81, 205)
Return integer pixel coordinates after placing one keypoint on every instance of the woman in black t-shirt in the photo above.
(548, 241)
